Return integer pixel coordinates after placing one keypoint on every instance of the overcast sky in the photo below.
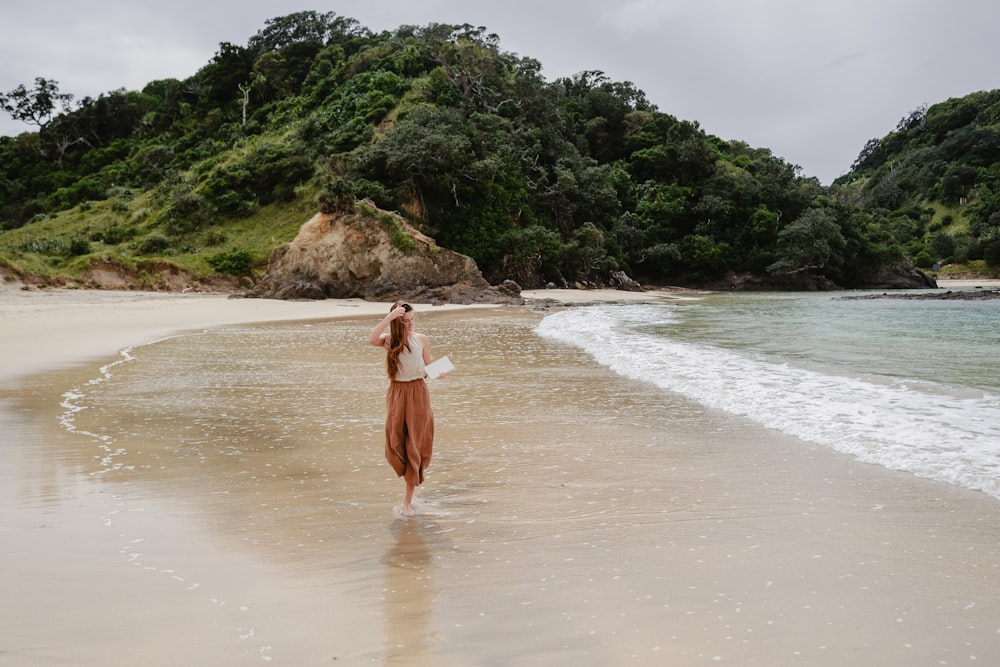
(812, 81)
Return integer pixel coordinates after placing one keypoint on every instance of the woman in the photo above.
(409, 421)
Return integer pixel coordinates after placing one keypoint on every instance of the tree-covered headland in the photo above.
(563, 181)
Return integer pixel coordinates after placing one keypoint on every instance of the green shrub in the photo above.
(991, 252)
(284, 193)
(400, 239)
(943, 245)
(232, 203)
(149, 164)
(398, 236)
(113, 234)
(215, 237)
(43, 246)
(924, 259)
(337, 195)
(78, 245)
(235, 262)
(186, 213)
(153, 245)
(366, 189)
(268, 172)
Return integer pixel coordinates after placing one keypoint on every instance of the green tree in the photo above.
(35, 106)
(764, 224)
(702, 256)
(809, 243)
(531, 255)
(423, 156)
(217, 83)
(585, 254)
(307, 26)
(469, 62)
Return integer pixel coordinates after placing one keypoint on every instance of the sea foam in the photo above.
(932, 430)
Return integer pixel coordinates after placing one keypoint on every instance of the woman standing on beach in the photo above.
(409, 420)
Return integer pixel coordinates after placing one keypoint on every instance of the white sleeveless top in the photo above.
(411, 362)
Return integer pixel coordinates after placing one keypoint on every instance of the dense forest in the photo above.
(563, 181)
(933, 185)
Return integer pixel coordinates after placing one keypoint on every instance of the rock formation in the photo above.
(978, 295)
(374, 255)
(901, 275)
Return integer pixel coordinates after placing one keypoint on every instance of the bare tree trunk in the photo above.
(245, 89)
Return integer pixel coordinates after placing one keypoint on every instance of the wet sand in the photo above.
(221, 498)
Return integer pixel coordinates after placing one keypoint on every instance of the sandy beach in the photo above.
(221, 499)
(985, 283)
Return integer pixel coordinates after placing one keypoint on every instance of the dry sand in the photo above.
(46, 329)
(985, 283)
(570, 517)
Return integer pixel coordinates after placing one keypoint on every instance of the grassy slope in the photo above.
(269, 227)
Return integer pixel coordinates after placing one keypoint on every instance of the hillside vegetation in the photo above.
(562, 181)
(933, 184)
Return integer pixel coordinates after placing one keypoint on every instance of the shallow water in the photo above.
(910, 385)
(571, 515)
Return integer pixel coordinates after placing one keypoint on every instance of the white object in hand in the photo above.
(439, 367)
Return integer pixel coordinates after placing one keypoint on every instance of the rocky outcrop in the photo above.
(620, 280)
(374, 255)
(978, 295)
(901, 275)
(767, 282)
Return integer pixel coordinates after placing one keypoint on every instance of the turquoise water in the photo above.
(908, 384)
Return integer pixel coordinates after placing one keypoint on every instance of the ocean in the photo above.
(912, 385)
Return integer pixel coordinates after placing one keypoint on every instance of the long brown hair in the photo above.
(396, 342)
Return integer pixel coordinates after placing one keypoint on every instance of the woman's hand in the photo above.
(378, 336)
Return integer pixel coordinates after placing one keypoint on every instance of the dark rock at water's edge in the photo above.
(975, 295)
(901, 275)
(755, 282)
(620, 280)
(506, 293)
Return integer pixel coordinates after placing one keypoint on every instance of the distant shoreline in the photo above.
(57, 327)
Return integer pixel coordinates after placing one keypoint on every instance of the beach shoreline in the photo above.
(594, 519)
(42, 330)
(985, 283)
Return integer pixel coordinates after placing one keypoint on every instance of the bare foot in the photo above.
(408, 510)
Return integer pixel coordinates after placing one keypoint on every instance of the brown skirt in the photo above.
(409, 429)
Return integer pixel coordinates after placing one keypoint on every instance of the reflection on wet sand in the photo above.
(409, 594)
